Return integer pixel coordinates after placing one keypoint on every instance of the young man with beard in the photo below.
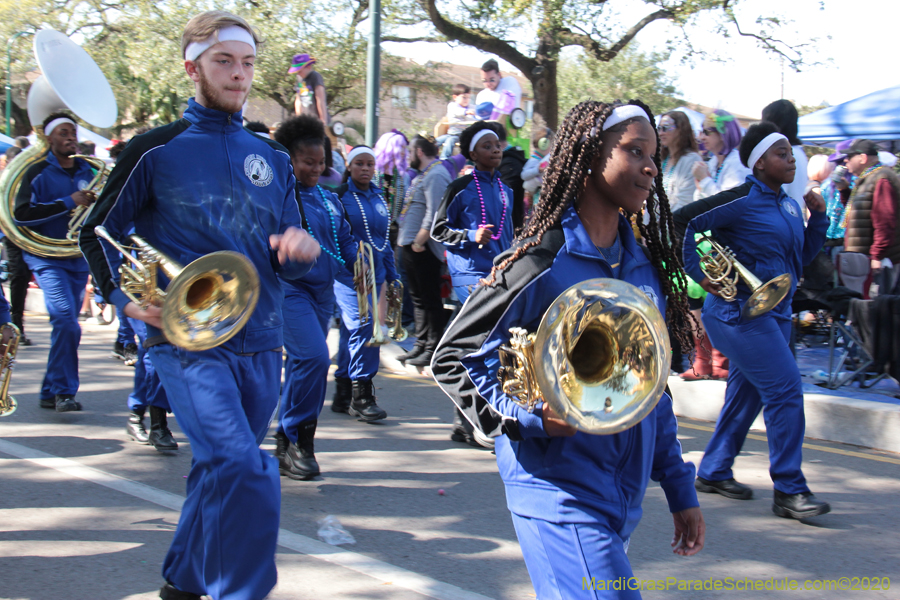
(196, 186)
(50, 189)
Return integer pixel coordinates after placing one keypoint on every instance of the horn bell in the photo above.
(602, 356)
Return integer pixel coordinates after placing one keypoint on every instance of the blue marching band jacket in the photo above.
(44, 202)
(583, 478)
(458, 218)
(323, 216)
(369, 218)
(766, 233)
(164, 186)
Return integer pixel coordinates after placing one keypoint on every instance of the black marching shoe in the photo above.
(67, 403)
(281, 444)
(413, 353)
(422, 360)
(170, 592)
(727, 487)
(798, 506)
(160, 436)
(131, 354)
(363, 404)
(48, 403)
(135, 428)
(118, 351)
(299, 462)
(343, 394)
(24, 341)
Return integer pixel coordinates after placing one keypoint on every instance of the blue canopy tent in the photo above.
(875, 116)
(5, 142)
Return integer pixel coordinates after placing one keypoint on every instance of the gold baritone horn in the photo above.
(600, 357)
(9, 345)
(205, 304)
(93, 189)
(721, 267)
(394, 319)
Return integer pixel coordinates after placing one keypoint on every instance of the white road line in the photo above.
(360, 563)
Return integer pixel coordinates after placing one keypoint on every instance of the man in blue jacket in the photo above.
(50, 190)
(195, 186)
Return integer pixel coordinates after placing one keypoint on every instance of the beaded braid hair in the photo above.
(578, 142)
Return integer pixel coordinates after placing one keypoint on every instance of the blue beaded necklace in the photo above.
(333, 229)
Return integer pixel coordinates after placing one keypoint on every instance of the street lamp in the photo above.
(9, 79)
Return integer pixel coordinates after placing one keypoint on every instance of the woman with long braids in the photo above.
(764, 228)
(369, 217)
(474, 220)
(309, 301)
(576, 498)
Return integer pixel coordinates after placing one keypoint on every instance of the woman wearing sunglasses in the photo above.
(679, 153)
(721, 136)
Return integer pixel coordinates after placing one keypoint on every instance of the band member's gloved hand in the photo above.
(82, 198)
(690, 532)
(814, 201)
(555, 426)
(151, 315)
(295, 245)
(709, 286)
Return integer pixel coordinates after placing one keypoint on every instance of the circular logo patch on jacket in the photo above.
(790, 208)
(380, 207)
(83, 185)
(258, 170)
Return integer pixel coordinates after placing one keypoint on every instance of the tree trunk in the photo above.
(546, 92)
(21, 123)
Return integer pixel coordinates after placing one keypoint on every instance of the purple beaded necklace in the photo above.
(503, 199)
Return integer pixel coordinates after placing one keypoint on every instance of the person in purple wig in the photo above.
(721, 135)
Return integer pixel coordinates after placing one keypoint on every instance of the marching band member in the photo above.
(369, 218)
(50, 189)
(474, 220)
(309, 301)
(764, 228)
(575, 498)
(148, 395)
(195, 186)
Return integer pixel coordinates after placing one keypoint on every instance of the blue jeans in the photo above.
(447, 142)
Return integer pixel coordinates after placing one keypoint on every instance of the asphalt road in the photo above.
(85, 513)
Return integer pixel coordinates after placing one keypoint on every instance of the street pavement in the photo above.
(85, 513)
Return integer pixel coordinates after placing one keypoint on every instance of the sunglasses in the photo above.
(707, 131)
(666, 128)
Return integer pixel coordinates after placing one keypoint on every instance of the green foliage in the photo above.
(632, 74)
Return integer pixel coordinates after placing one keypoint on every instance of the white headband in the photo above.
(359, 150)
(56, 123)
(480, 135)
(233, 33)
(623, 113)
(761, 148)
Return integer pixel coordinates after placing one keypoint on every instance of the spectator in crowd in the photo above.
(495, 83)
(679, 154)
(423, 257)
(311, 98)
(391, 176)
(818, 172)
(19, 273)
(459, 115)
(87, 148)
(784, 114)
(332, 177)
(871, 216)
(836, 192)
(22, 142)
(533, 172)
(721, 136)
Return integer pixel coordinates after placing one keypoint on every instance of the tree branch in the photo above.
(479, 39)
(768, 43)
(570, 38)
(394, 38)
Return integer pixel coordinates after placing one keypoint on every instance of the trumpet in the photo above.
(600, 357)
(364, 282)
(721, 267)
(93, 189)
(205, 304)
(9, 345)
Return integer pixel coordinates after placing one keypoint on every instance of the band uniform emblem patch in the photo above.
(790, 208)
(258, 170)
(380, 207)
